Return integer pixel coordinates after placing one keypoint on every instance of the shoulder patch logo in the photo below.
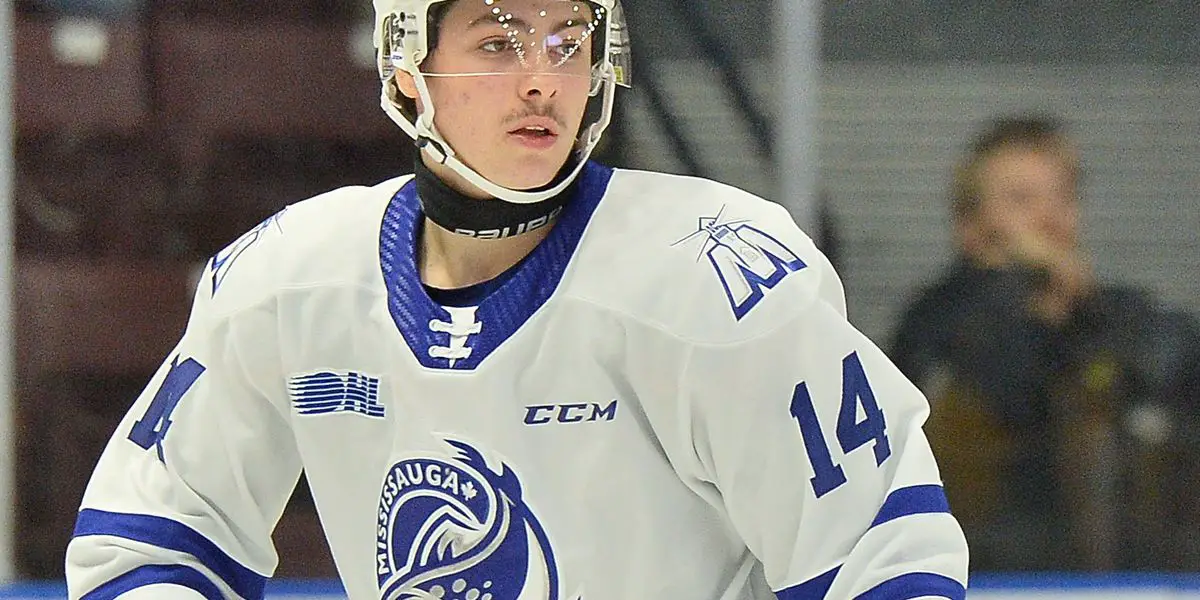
(327, 392)
(747, 260)
(223, 260)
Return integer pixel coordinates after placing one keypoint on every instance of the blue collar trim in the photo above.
(507, 308)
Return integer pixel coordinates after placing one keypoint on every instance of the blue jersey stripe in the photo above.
(151, 574)
(915, 500)
(903, 587)
(172, 535)
(916, 585)
(813, 589)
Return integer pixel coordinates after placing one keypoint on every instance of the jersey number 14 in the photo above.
(851, 433)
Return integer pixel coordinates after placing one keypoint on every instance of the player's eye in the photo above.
(496, 45)
(568, 47)
(562, 49)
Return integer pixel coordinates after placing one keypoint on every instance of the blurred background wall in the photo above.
(149, 133)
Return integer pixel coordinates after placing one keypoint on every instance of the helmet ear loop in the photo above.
(597, 80)
(428, 137)
(595, 130)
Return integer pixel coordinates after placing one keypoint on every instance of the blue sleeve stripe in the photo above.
(915, 500)
(151, 574)
(904, 587)
(172, 535)
(813, 589)
(916, 585)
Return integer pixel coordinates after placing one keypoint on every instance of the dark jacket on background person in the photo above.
(1062, 447)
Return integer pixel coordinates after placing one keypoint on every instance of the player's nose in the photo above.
(539, 86)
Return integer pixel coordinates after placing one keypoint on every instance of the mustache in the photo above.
(545, 111)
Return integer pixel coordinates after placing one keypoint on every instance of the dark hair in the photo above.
(433, 24)
(1031, 132)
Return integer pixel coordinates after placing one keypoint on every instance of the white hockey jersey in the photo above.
(664, 400)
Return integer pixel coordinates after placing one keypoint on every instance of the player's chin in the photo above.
(533, 172)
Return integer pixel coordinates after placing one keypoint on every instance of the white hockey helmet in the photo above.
(402, 36)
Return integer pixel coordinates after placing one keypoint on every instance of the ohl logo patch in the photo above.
(451, 528)
(747, 260)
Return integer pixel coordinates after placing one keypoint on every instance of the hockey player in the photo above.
(520, 374)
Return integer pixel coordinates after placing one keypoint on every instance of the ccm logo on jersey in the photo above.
(747, 260)
(541, 414)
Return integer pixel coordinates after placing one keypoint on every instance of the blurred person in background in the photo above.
(1060, 404)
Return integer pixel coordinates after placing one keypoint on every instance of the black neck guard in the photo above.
(484, 219)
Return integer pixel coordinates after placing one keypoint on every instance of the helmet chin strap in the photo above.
(432, 142)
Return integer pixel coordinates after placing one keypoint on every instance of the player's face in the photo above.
(1026, 191)
(509, 80)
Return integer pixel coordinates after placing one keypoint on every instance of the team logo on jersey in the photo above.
(747, 260)
(456, 528)
(327, 392)
(223, 260)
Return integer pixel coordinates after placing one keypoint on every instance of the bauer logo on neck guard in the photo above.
(452, 527)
